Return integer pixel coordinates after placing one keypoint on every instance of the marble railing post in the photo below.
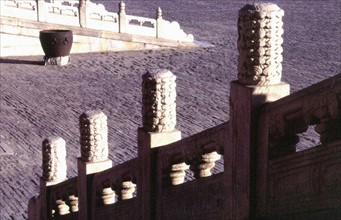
(94, 156)
(83, 13)
(159, 120)
(259, 81)
(122, 20)
(41, 11)
(159, 22)
(54, 170)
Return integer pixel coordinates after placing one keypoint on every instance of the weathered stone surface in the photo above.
(94, 136)
(158, 98)
(54, 159)
(260, 44)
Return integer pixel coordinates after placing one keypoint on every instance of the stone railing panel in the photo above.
(26, 9)
(194, 199)
(198, 153)
(304, 181)
(114, 185)
(141, 26)
(318, 105)
(63, 198)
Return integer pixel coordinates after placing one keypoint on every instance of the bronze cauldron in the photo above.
(56, 43)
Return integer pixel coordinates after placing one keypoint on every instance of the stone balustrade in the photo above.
(84, 13)
(174, 178)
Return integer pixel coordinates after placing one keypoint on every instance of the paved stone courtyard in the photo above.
(40, 101)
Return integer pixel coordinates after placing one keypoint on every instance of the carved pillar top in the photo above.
(158, 98)
(122, 7)
(94, 136)
(260, 44)
(54, 159)
(158, 13)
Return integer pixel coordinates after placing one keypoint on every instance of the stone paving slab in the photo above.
(39, 101)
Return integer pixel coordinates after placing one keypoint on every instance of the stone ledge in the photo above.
(85, 40)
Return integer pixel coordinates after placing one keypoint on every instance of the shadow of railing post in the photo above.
(159, 119)
(259, 81)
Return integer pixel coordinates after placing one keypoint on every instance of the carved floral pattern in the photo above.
(94, 136)
(260, 44)
(158, 97)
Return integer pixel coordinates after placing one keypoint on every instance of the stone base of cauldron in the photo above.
(60, 61)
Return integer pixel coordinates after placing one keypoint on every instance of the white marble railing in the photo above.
(84, 13)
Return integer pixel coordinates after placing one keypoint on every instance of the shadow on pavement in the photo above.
(14, 61)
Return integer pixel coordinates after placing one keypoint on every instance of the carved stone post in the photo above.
(84, 13)
(54, 170)
(41, 12)
(159, 22)
(259, 81)
(159, 120)
(122, 20)
(94, 156)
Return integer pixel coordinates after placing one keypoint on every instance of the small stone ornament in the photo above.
(128, 188)
(108, 196)
(178, 173)
(63, 209)
(209, 160)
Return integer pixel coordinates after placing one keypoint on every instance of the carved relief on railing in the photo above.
(105, 16)
(62, 9)
(29, 4)
(115, 184)
(141, 21)
(197, 153)
(317, 105)
(94, 136)
(63, 197)
(260, 44)
(24, 4)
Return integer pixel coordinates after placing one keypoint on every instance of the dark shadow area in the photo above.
(29, 62)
